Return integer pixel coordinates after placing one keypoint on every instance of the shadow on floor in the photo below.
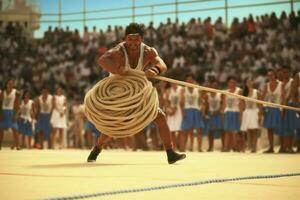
(76, 165)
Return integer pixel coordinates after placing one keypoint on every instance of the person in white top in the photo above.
(133, 53)
(173, 111)
(232, 121)
(192, 118)
(295, 98)
(77, 122)
(58, 117)
(289, 122)
(251, 114)
(26, 119)
(273, 92)
(9, 108)
(214, 101)
(43, 108)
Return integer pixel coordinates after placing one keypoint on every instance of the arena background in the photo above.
(33, 174)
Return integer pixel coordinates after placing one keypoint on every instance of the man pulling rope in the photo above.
(132, 54)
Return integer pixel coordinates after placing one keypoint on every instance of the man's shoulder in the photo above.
(118, 47)
(149, 50)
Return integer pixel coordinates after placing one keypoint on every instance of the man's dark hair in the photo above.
(133, 28)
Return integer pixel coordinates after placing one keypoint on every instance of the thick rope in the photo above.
(121, 106)
(275, 105)
(170, 186)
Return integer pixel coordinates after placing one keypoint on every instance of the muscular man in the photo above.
(134, 54)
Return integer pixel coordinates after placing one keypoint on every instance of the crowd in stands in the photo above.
(209, 50)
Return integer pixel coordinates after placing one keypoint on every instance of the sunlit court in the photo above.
(150, 99)
(32, 174)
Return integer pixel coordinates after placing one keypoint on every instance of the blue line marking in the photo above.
(163, 187)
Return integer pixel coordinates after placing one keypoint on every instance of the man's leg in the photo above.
(98, 147)
(165, 135)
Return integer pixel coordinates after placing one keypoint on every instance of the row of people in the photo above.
(188, 111)
(191, 110)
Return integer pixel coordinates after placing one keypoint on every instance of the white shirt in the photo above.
(45, 106)
(59, 102)
(191, 99)
(26, 110)
(232, 103)
(174, 97)
(252, 105)
(214, 102)
(8, 100)
(274, 96)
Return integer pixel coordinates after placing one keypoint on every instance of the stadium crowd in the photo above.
(256, 57)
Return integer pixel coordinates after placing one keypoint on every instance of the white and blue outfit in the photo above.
(192, 116)
(174, 121)
(231, 114)
(272, 119)
(250, 114)
(43, 122)
(25, 121)
(58, 121)
(289, 122)
(215, 119)
(8, 111)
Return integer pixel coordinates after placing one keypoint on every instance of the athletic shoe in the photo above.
(94, 154)
(173, 156)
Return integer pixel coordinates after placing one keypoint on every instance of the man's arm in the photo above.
(112, 61)
(157, 65)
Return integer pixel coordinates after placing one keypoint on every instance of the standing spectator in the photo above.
(251, 114)
(26, 118)
(77, 127)
(289, 122)
(58, 118)
(273, 92)
(9, 110)
(43, 110)
(174, 115)
(295, 95)
(232, 121)
(215, 119)
(192, 117)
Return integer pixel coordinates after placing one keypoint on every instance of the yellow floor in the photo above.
(35, 174)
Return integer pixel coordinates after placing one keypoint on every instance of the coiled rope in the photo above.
(177, 185)
(121, 106)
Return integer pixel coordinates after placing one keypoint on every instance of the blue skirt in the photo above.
(205, 130)
(90, 126)
(25, 127)
(7, 120)
(289, 123)
(192, 120)
(272, 119)
(232, 121)
(215, 122)
(43, 124)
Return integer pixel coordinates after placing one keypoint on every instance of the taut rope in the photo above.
(226, 93)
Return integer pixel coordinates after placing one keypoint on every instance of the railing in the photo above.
(175, 9)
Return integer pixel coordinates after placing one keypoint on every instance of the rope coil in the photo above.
(121, 106)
